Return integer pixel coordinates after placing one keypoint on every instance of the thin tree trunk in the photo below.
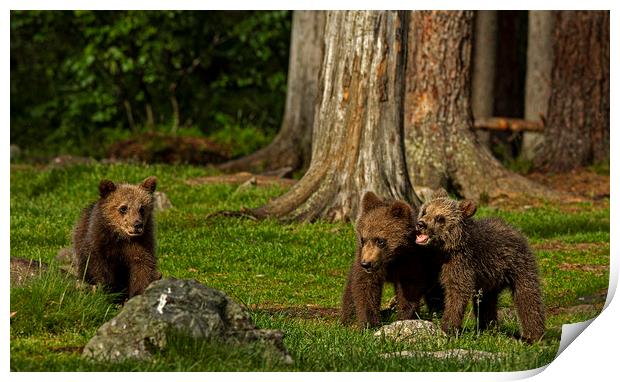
(577, 131)
(148, 108)
(176, 115)
(357, 137)
(128, 111)
(537, 77)
(150, 119)
(441, 149)
(483, 74)
(292, 146)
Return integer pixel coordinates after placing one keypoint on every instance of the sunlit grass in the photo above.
(268, 264)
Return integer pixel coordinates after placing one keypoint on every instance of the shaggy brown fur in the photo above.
(114, 239)
(484, 254)
(386, 253)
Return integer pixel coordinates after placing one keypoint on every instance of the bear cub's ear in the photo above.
(106, 187)
(370, 201)
(400, 209)
(439, 193)
(468, 208)
(149, 184)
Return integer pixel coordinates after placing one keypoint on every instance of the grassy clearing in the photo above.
(272, 268)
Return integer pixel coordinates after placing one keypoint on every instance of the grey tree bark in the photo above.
(483, 70)
(537, 77)
(577, 131)
(393, 105)
(357, 141)
(292, 146)
(441, 148)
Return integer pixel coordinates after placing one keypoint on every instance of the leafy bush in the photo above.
(77, 76)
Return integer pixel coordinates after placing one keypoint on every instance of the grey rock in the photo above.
(457, 354)
(67, 261)
(183, 306)
(70, 160)
(247, 185)
(162, 202)
(411, 331)
(16, 152)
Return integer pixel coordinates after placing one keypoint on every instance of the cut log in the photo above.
(508, 124)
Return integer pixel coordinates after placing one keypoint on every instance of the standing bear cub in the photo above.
(385, 253)
(114, 238)
(481, 255)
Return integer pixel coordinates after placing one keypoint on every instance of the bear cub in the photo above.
(114, 239)
(385, 253)
(481, 255)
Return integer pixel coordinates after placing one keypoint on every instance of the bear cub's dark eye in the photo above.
(141, 210)
(122, 209)
(440, 219)
(381, 242)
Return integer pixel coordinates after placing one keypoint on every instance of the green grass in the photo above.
(53, 304)
(269, 265)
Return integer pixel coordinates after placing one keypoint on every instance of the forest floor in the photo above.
(290, 276)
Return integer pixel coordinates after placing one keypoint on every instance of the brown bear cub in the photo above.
(114, 239)
(385, 253)
(484, 255)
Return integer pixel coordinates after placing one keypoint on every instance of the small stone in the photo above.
(457, 354)
(162, 202)
(70, 160)
(248, 184)
(66, 260)
(410, 331)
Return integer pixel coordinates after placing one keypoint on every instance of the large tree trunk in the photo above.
(577, 131)
(537, 77)
(441, 149)
(360, 137)
(483, 69)
(357, 141)
(292, 146)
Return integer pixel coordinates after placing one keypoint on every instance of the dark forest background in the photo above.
(80, 78)
(203, 86)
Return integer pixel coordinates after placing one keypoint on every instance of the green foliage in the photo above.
(243, 139)
(272, 265)
(76, 75)
(519, 164)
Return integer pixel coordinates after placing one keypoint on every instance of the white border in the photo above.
(592, 356)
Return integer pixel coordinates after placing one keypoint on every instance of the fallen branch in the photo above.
(509, 124)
